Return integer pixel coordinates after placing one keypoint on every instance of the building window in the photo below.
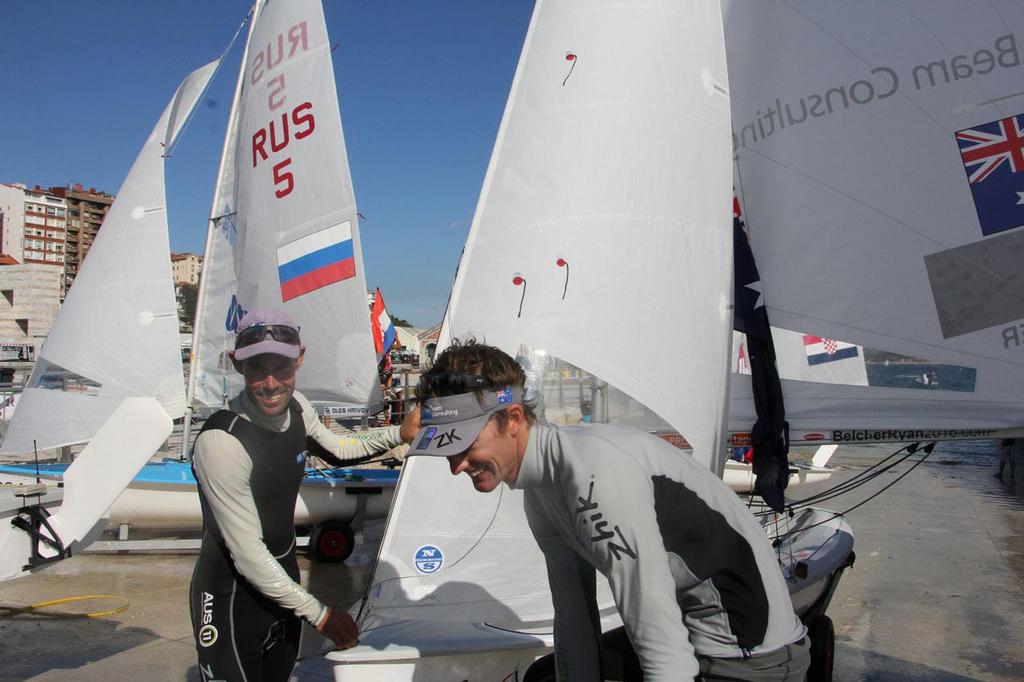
(22, 323)
(9, 295)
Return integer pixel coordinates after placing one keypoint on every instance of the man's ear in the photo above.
(302, 354)
(237, 363)
(516, 418)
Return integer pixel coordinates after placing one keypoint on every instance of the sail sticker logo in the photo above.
(235, 314)
(316, 260)
(993, 158)
(428, 436)
(428, 559)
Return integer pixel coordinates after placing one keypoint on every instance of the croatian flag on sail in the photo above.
(383, 331)
(820, 351)
(993, 156)
(316, 260)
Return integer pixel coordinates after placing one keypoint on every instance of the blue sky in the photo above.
(421, 85)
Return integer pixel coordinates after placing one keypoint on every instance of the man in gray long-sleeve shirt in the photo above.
(692, 573)
(249, 460)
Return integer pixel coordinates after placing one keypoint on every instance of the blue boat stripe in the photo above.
(315, 260)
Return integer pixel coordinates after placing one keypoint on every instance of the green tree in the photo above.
(188, 294)
(399, 322)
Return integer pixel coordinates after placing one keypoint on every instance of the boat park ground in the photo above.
(937, 592)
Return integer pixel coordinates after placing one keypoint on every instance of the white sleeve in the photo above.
(619, 528)
(350, 445)
(573, 593)
(223, 469)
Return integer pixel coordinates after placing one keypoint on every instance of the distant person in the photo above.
(246, 602)
(1007, 455)
(694, 576)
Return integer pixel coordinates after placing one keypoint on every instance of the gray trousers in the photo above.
(788, 664)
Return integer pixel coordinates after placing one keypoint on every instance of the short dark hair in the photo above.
(465, 359)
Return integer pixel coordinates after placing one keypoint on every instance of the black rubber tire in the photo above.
(331, 542)
(823, 647)
(541, 670)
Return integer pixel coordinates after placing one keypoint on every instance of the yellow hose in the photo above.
(69, 600)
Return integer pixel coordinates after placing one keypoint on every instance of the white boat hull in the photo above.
(740, 476)
(415, 650)
(810, 559)
(175, 507)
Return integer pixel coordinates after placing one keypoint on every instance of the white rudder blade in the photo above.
(132, 434)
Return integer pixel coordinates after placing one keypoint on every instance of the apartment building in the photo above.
(12, 221)
(86, 210)
(45, 229)
(186, 267)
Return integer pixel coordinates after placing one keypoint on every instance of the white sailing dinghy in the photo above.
(604, 226)
(124, 399)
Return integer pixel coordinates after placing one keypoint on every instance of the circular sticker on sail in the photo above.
(428, 559)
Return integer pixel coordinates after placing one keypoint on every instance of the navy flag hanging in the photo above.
(770, 433)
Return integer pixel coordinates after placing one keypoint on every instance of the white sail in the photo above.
(284, 224)
(116, 336)
(880, 174)
(614, 162)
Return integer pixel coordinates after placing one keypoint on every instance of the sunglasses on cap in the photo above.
(258, 332)
(458, 383)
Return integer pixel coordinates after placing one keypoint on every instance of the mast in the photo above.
(226, 152)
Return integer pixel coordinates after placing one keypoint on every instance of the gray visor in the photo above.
(450, 424)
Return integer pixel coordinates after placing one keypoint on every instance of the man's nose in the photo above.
(457, 464)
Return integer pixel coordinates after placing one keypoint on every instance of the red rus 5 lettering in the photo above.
(296, 125)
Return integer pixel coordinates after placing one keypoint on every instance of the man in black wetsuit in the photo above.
(246, 602)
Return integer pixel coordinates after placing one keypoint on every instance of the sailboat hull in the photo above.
(816, 548)
(163, 496)
(740, 476)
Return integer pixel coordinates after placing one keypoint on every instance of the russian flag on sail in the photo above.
(383, 331)
(821, 350)
(316, 260)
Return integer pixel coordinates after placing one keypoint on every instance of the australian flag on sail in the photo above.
(819, 350)
(993, 156)
(770, 433)
(316, 260)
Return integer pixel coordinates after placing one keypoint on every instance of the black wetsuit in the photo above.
(240, 633)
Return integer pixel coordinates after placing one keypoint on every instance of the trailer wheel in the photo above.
(331, 541)
(823, 645)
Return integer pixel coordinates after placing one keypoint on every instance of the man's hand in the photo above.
(410, 425)
(339, 627)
